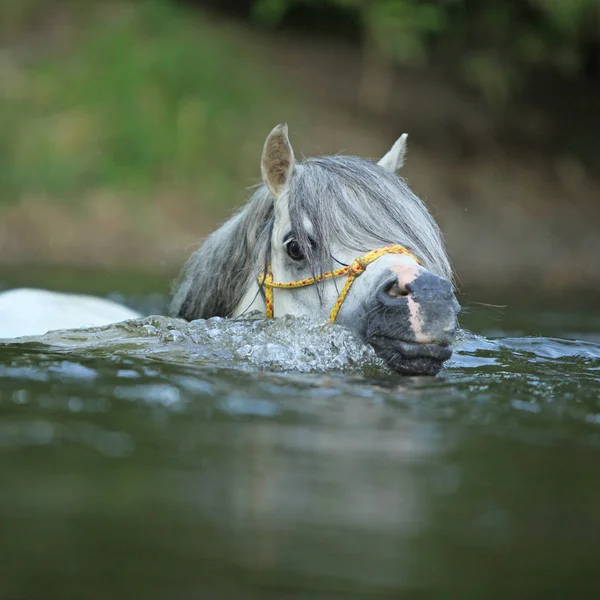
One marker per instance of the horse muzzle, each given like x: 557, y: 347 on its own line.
x: 412, y: 321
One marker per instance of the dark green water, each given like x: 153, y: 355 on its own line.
x: 279, y: 460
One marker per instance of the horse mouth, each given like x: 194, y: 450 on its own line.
x: 411, y: 358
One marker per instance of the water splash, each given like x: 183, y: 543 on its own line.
x: 297, y: 344
x: 286, y: 344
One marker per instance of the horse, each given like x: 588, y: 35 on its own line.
x: 337, y: 238
x: 311, y: 223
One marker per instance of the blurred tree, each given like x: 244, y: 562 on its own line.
x: 492, y: 44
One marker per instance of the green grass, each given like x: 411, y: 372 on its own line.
x: 141, y: 95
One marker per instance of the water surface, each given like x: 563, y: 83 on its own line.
x: 218, y: 459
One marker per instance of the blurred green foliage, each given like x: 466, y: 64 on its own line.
x: 130, y: 96
x: 492, y: 44
x: 137, y: 95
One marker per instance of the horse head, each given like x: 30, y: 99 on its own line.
x: 335, y: 237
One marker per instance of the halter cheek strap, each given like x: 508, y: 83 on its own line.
x: 352, y: 271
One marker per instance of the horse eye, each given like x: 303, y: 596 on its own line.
x: 294, y: 251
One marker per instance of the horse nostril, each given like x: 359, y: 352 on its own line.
x: 394, y: 290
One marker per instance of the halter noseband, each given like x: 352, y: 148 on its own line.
x: 352, y: 271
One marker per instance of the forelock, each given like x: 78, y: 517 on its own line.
x: 359, y: 205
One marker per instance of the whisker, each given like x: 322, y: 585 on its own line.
x: 489, y: 305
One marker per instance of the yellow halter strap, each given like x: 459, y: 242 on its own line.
x: 352, y: 271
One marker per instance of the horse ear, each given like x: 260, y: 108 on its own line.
x: 394, y: 159
x: 277, y: 162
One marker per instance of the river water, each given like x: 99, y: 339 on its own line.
x: 220, y: 459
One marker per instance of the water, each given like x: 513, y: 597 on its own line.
x: 159, y: 459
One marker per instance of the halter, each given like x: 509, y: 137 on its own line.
x: 352, y: 271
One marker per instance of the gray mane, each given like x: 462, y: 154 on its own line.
x: 214, y: 279
x: 348, y: 200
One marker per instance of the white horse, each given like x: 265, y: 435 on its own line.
x: 27, y: 311
x: 335, y: 237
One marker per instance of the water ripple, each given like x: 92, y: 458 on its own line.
x: 292, y: 368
